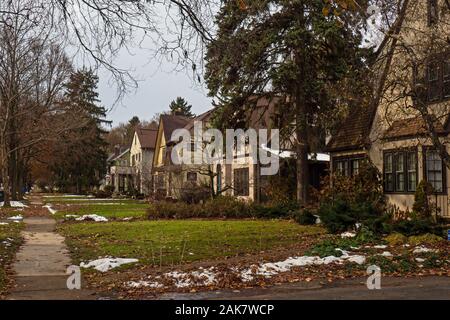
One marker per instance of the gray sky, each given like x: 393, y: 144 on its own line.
x: 158, y: 86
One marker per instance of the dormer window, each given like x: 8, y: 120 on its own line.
x: 433, y: 12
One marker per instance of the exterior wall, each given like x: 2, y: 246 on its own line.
x: 141, y: 160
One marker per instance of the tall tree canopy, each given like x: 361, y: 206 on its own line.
x: 180, y: 107
x: 80, y: 154
x: 291, y: 49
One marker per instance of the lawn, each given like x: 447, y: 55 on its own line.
x: 10, y: 241
x: 110, y: 211
x: 108, y: 208
x: 167, y: 242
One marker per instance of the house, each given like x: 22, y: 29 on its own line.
x: 141, y: 154
x: 243, y: 178
x: 411, y: 94
x: 170, y: 178
x: 119, y: 172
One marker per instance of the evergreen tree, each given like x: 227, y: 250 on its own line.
x: 81, y: 153
x: 293, y: 49
x: 180, y: 107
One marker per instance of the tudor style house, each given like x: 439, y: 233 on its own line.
x: 141, y: 158
x: 411, y: 101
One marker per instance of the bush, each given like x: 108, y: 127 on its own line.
x: 415, y: 227
x: 396, y: 239
x: 427, y: 238
x: 109, y: 189
x: 346, y: 201
x: 422, y: 207
x: 102, y: 194
x: 220, y: 207
x: 191, y: 192
x: 305, y: 217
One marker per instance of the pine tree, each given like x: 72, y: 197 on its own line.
x: 290, y: 49
x: 180, y: 107
x: 81, y: 153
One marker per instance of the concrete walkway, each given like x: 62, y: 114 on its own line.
x: 41, y: 264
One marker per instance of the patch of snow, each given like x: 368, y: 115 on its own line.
x: 386, y: 254
x: 422, y: 249
x: 15, y: 204
x: 381, y: 246
x: 106, y: 264
x: 420, y: 260
x: 93, y: 217
x: 141, y: 284
x: 71, y: 216
x: 318, y: 221
x: 202, y: 277
x: 18, y: 217
x: 50, y: 209
x: 348, y: 235
x: 273, y: 268
x: 4, y: 223
x: 127, y: 219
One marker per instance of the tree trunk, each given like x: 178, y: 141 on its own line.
x: 5, y: 179
x: 302, y: 155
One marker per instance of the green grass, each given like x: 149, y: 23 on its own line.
x: 110, y: 211
x: 172, y: 242
x: 11, y: 234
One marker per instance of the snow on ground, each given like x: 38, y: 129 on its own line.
x: 386, y: 254
x: 348, y: 235
x: 106, y: 264
x: 202, y: 277
x: 4, y: 223
x: 18, y: 217
x: 422, y: 249
x: 50, y: 209
x: 15, y: 204
x: 93, y: 217
x: 273, y: 268
x: 142, y: 284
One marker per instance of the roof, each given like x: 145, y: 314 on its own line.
x: 114, y: 156
x: 354, y: 131
x: 147, y: 137
x: 410, y: 127
x: 171, y: 123
x: 206, y: 116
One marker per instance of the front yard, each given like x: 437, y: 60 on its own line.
x: 10, y: 241
x: 203, y: 254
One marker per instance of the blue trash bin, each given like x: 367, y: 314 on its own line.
x: 2, y: 196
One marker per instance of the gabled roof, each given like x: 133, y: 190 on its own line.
x: 410, y: 127
x: 354, y: 131
x: 172, y: 122
x: 147, y: 137
x: 204, y: 117
x: 115, y: 156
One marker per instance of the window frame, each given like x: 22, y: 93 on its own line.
x: 443, y: 170
x: 348, y: 162
x: 394, y: 154
x: 241, y: 186
x: 432, y: 20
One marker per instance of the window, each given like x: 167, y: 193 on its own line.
x: 433, y: 82
x: 434, y: 170
x: 241, y: 182
x: 348, y: 166
x: 446, y: 79
x: 400, y: 171
x: 433, y: 12
x: 192, y: 176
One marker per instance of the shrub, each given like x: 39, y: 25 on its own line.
x: 191, y: 192
x: 350, y: 200
x: 102, y: 194
x: 226, y: 207
x: 415, y: 227
x: 396, y: 239
x: 427, y: 238
x: 109, y: 189
x: 305, y: 217
x: 422, y: 207
x: 172, y: 210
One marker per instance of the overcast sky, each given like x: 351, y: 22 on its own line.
x: 158, y: 86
